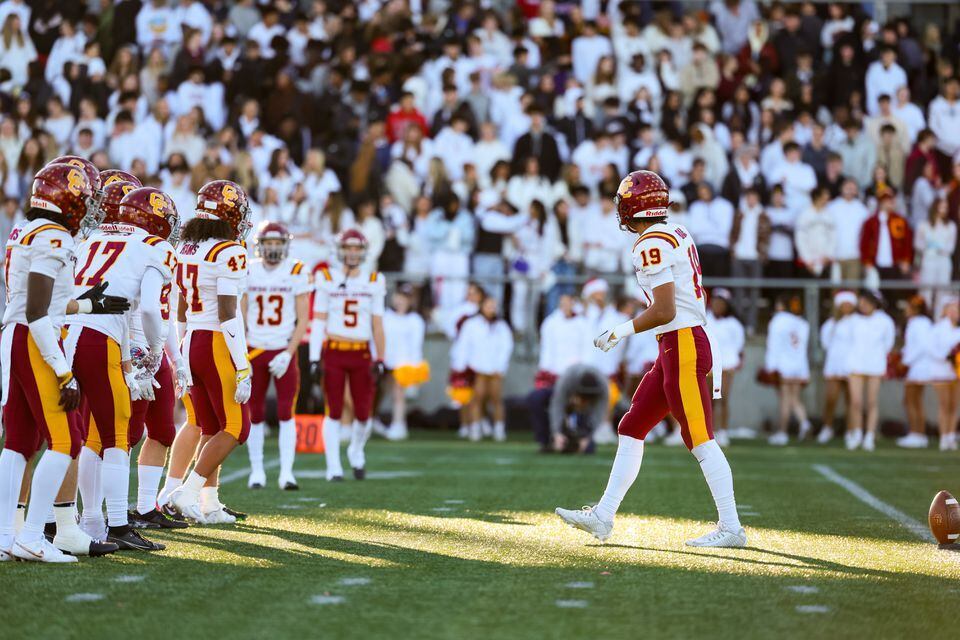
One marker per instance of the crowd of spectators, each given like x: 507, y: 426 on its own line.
x: 487, y: 138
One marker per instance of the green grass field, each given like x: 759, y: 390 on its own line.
x: 455, y: 540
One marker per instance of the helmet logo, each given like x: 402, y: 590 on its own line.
x: 75, y: 182
x: 75, y: 162
x: 230, y: 195
x: 115, y: 178
x: 624, y: 190
x: 157, y: 203
x: 127, y: 188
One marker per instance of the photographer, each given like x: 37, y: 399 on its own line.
x: 577, y: 407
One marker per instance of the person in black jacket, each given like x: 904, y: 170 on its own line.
x: 538, y: 143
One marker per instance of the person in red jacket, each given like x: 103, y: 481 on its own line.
x: 886, y: 240
x: 403, y: 116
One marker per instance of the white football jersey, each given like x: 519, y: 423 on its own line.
x: 42, y: 247
x: 272, y: 302
x: 199, y: 267
x: 168, y: 309
x: 119, y: 254
x: 350, y: 303
x: 665, y: 253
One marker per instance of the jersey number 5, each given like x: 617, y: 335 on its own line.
x: 350, y: 313
x: 111, y: 251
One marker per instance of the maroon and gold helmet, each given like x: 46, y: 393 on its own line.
x: 642, y: 194
x: 89, y: 169
x: 63, y: 189
x: 225, y: 200
x: 351, y: 238
x: 151, y: 210
x: 113, y: 193
x: 273, y: 231
x: 109, y: 176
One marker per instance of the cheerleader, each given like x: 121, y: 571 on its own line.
x: 460, y: 385
x: 871, y: 340
x: 730, y: 338
x: 944, y: 340
x: 922, y: 368
x: 404, y: 330
x: 487, y: 347
x: 787, y: 338
x: 835, y: 338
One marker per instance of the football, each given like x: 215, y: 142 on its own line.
x: 945, y: 518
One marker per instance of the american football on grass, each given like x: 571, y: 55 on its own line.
x: 945, y: 518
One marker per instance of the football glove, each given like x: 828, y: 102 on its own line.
x: 69, y: 391
x: 244, y: 381
x: 279, y: 364
x: 149, y: 361
x: 377, y: 369
x: 316, y: 371
x: 104, y: 304
x: 606, y: 341
x: 130, y: 377
x: 184, y: 381
x: 147, y: 384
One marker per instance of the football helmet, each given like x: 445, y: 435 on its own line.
x: 225, y: 200
x: 351, y: 239
x: 642, y: 194
x: 278, y: 239
x: 63, y: 189
x: 109, y: 176
x: 89, y: 169
x: 152, y: 210
x: 113, y: 193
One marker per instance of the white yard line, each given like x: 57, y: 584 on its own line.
x: 233, y: 476
x: 915, y: 527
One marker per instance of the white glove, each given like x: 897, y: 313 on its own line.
x: 243, y: 386
x: 150, y: 362
x: 184, y: 381
x: 147, y: 384
x: 133, y: 384
x: 279, y: 364
x: 606, y: 341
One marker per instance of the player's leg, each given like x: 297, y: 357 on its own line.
x: 687, y: 360
x: 334, y: 384
x: 361, y: 382
x: 648, y: 407
x: 89, y: 477
x: 19, y: 447
x: 287, y: 387
x: 182, y: 452
x: 856, y: 386
x: 872, y: 400
x: 260, y: 376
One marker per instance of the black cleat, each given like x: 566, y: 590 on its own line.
x: 291, y: 486
x: 171, y: 512
x: 138, y: 522
x: 336, y: 479
x: 100, y: 548
x: 157, y: 520
x: 129, y: 539
x: 255, y: 485
x: 359, y: 474
x: 50, y: 531
x: 239, y: 515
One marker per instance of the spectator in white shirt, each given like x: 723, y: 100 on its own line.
x: 816, y: 235
x: 729, y: 333
x: 936, y: 241
x: 193, y: 15
x: 911, y: 115
x: 711, y: 222
x: 157, y: 26
x: 926, y: 189
x: 848, y: 214
x: 266, y: 30
x: 16, y: 52
x: 883, y: 76
x: 872, y: 338
x: 945, y: 117
x: 786, y: 356
x: 797, y: 177
x: 59, y: 122
x: 586, y: 51
x: 835, y: 340
x: 750, y: 240
x: 454, y: 147
x: 602, y: 250
x: 858, y: 153
x: 487, y: 345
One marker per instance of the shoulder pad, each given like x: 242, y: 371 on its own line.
x: 658, y: 235
x: 373, y: 276
x: 297, y: 268
x: 219, y: 248
x: 326, y: 274
x: 153, y: 240
x: 28, y: 239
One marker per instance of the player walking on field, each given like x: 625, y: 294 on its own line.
x: 668, y: 271
x: 348, y: 312
x: 277, y: 309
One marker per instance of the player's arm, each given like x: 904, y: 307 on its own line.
x: 243, y: 305
x: 377, y: 309
x: 661, y: 311
x: 279, y: 364
x: 229, y: 285
x: 93, y: 300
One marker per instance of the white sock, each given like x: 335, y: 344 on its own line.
x: 719, y: 478
x: 47, y: 478
x: 255, y: 447
x: 12, y: 465
x: 19, y: 519
x: 116, y: 485
x: 626, y: 467
x: 331, y: 447
x: 148, y: 482
x: 194, y: 484
x: 287, y: 441
x: 171, y: 485
x: 358, y: 440
x: 90, y: 482
x: 209, y: 499
x: 65, y: 514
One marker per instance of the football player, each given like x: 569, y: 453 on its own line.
x: 131, y: 248
x: 39, y: 389
x: 109, y: 176
x: 277, y: 310
x: 211, y: 276
x: 668, y: 270
x: 348, y: 311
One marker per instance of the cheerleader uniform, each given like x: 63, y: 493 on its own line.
x: 730, y: 339
x: 787, y: 338
x: 871, y: 340
x: 835, y: 336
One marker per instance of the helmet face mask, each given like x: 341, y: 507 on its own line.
x: 352, y: 248
x: 273, y: 242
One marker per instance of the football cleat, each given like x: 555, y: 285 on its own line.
x: 587, y: 520
x: 359, y: 473
x: 187, y: 504
x: 171, y: 512
x: 239, y: 515
x: 40, y: 551
x: 158, y: 520
x: 720, y: 537
x: 218, y: 516
x: 257, y: 480
x: 50, y: 531
x: 75, y: 542
x: 6, y: 556
x: 129, y: 539
x: 288, y: 483
x: 825, y: 435
x: 139, y: 523
x: 335, y: 479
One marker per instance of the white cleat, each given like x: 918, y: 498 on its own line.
x: 73, y: 541
x: 40, y: 551
x: 218, y: 516
x: 6, y: 555
x: 586, y: 520
x: 188, y: 506
x: 720, y: 537
x: 868, y: 442
x: 779, y: 439
x: 914, y: 441
x: 853, y: 440
x: 257, y: 480
x: 825, y: 435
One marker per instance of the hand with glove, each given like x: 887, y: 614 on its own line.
x: 184, y: 381
x: 316, y: 371
x: 377, y: 369
x: 279, y: 364
x: 94, y: 301
x: 147, y: 384
x: 149, y: 361
x: 244, y: 381
x: 69, y: 391
x: 130, y: 377
x: 606, y: 341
